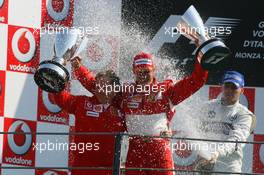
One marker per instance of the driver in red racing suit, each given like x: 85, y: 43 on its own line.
x: 93, y: 114
x: 148, y: 109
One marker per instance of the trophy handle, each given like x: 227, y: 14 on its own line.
x: 71, y: 52
x: 80, y: 48
x: 54, y: 51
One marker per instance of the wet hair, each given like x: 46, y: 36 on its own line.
x: 114, y: 79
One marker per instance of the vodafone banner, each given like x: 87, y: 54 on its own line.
x: 27, y: 33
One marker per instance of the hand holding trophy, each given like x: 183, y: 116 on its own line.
x: 52, y: 76
x: 211, y: 52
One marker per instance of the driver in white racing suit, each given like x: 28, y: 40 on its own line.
x: 228, y: 120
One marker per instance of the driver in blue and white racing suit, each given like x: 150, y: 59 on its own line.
x: 228, y: 120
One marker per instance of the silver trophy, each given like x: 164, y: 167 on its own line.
x: 1, y: 3
x: 212, y: 52
x: 52, y: 76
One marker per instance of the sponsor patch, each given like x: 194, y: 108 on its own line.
x: 211, y: 114
x: 92, y: 114
x: 159, y: 96
x: 136, y: 98
x: 133, y: 105
x: 88, y: 105
x: 232, y: 118
x: 98, y: 108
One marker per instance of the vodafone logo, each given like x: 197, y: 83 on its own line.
x: 48, y: 104
x: 99, y: 53
x: 1, y: 3
x: 19, y: 143
x: 58, y: 9
x: 50, y: 173
x: 23, y: 45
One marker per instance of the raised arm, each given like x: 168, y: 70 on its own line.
x: 65, y: 100
x: 189, y: 85
x: 85, y: 77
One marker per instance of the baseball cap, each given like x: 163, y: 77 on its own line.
x: 143, y: 60
x: 235, y: 78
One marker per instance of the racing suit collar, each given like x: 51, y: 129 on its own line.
x: 153, y: 82
x: 105, y: 105
x: 229, y: 106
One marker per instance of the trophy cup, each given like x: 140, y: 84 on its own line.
x: 1, y: 3
x: 212, y: 52
x: 52, y: 76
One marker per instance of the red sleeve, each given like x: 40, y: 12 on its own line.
x: 117, y: 102
x: 66, y: 101
x: 189, y: 85
x: 86, y: 78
